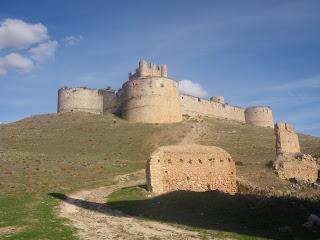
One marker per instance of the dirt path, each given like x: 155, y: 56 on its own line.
x: 88, y: 212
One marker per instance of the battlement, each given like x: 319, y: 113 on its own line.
x: 146, y: 69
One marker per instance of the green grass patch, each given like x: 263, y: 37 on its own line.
x: 32, y: 218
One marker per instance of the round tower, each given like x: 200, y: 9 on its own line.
x: 151, y: 99
x: 259, y: 116
x: 80, y: 99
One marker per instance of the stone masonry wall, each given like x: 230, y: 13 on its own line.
x: 80, y: 99
x: 110, y: 101
x: 151, y: 100
x: 259, y: 116
x: 194, y: 106
x: 191, y: 167
x: 286, y: 139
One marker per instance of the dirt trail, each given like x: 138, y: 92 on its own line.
x: 88, y: 212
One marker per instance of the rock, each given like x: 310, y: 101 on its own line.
x: 296, y: 167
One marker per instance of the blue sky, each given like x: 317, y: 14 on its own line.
x: 251, y: 52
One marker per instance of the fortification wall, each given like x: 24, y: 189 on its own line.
x: 146, y: 69
x: 259, y: 116
x: 110, y: 101
x: 151, y: 100
x: 194, y: 106
x: 191, y: 167
x: 80, y: 99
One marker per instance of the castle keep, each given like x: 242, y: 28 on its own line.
x: 150, y: 96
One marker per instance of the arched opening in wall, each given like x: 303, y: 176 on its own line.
x: 199, y: 99
x: 162, y: 85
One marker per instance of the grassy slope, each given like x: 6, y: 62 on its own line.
x: 62, y: 153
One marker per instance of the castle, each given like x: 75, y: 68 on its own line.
x: 150, y: 96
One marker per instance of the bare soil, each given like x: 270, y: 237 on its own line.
x: 88, y: 212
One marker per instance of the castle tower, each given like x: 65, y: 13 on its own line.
x: 80, y: 99
x: 150, y: 96
x: 259, y: 116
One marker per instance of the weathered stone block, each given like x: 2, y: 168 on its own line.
x: 191, y: 167
x: 286, y: 139
x: 301, y: 167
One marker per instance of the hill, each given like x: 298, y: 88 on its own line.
x: 68, y: 152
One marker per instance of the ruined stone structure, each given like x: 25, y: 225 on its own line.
x: 80, y: 99
x: 290, y: 163
x: 150, y: 96
x: 286, y: 139
x: 298, y: 166
x: 191, y: 167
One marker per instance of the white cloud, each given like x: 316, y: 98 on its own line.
x: 72, y: 40
x: 19, y: 38
x: 15, y: 61
x: 43, y: 51
x: 191, y: 88
x: 17, y: 34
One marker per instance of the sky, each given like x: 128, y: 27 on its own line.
x: 250, y: 52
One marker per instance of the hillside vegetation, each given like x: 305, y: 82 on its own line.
x: 68, y: 152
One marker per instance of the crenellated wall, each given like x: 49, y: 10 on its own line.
x: 150, y: 96
x: 194, y: 106
x: 149, y: 70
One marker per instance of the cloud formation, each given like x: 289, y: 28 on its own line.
x: 16, y: 61
x: 17, y: 34
x: 44, y: 51
x: 26, y: 45
x: 72, y: 40
x: 192, y: 88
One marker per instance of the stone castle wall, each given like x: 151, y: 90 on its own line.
x: 194, y: 106
x: 191, y: 167
x: 259, y: 116
x: 151, y: 100
x: 110, y: 101
x: 149, y: 96
x: 80, y: 99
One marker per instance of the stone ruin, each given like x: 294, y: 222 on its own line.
x: 290, y: 163
x: 191, y: 167
x: 286, y: 139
